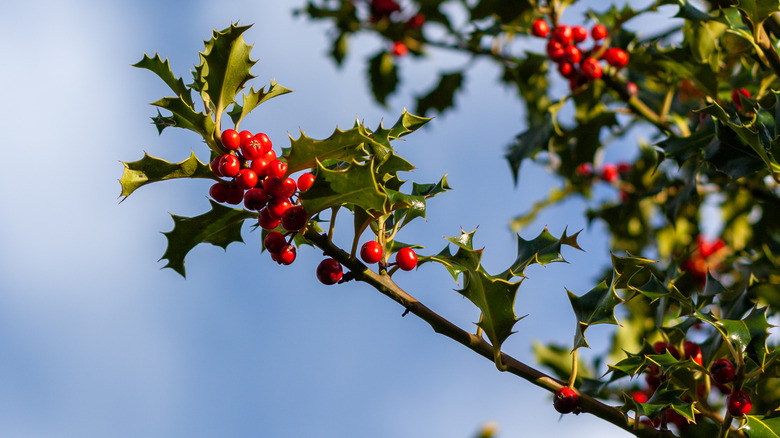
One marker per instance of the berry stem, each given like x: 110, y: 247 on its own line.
x: 574, y: 366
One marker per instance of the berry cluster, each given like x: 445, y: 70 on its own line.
x: 384, y: 10
x: 609, y: 172
x: 576, y: 64
x: 259, y: 179
x: 372, y: 252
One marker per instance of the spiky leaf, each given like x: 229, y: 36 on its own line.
x: 185, y: 116
x: 254, y: 99
x: 597, y: 306
x: 441, y: 96
x: 355, y: 185
x: 341, y: 145
x: 163, y: 70
x: 220, y: 226
x: 150, y: 169
x: 543, y: 249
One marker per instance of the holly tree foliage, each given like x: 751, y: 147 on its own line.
x: 691, y: 354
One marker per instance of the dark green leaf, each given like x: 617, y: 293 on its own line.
x: 597, y: 306
x: 383, y: 75
x: 355, y: 185
x: 150, y: 169
x: 442, y: 96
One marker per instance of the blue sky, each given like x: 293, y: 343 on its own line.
x: 96, y: 340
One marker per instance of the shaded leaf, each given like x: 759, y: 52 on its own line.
x: 597, y: 306
x: 442, y: 96
x: 383, y: 75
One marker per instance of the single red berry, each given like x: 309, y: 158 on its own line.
x: 215, y: 166
x: 615, y: 57
x: 738, y: 403
x: 591, y: 69
x: 244, y: 136
x: 329, y: 271
x: 294, y: 218
x: 305, y: 181
x: 406, y: 259
x: 639, y: 396
x: 400, y: 49
x: 416, y: 22
x: 230, y: 139
x: 274, y: 186
x: 556, y: 51
x: 277, y: 206
x: 266, y: 221
x: 632, y: 89
x: 566, y: 70
x: 274, y: 241
x: 573, y: 54
x: 722, y: 371
x: 235, y: 194
x: 565, y: 400
x: 563, y: 34
x: 707, y: 247
x: 540, y: 28
x: 260, y: 166
x: 585, y: 170
x: 579, y: 33
x: 623, y: 167
x: 609, y: 173
x: 255, y: 199
x: 371, y: 252
x: 693, y: 351
x: 246, y: 179
x: 277, y: 168
x: 251, y: 150
x: 229, y: 165
x: 598, y: 32
x: 219, y: 192
x: 289, y: 187
x: 736, y: 97
x: 285, y: 256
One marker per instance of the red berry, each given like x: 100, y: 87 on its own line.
x: 251, y: 150
x: 263, y: 141
x: 289, y: 187
x: 609, y: 173
x: 235, y: 195
x: 229, y: 165
x: 598, y: 32
x: 246, y: 179
x: 285, y: 256
x: 623, y: 167
x: 565, y: 400
x: 266, y: 221
x: 693, y: 351
x: 230, y: 139
x: 277, y: 206
x: 260, y: 166
x: 572, y: 54
x: 707, y: 248
x: 219, y: 192
x: 540, y: 28
x: 276, y: 168
x: 406, y: 259
x: 274, y: 241
x: 738, y: 403
x: 639, y: 396
x: 566, y: 70
x: 294, y: 218
x: 329, y: 271
x: 215, y: 166
x: 400, y: 49
x: 255, y: 199
x: 305, y: 181
x: 591, y: 69
x: 416, y: 22
x: 383, y: 8
x: 579, y: 33
x: 632, y: 89
x: 556, y: 51
x: 274, y: 186
x: 371, y: 252
x: 722, y: 371
x: 563, y: 34
x: 585, y: 170
x: 615, y: 57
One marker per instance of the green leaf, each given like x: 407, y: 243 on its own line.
x: 224, y: 68
x: 625, y: 268
x: 667, y: 397
x: 254, y: 99
x: 597, y: 306
x: 466, y: 258
x: 355, y: 185
x: 543, y: 249
x: 341, y: 145
x: 752, y: 330
x: 442, y: 96
x: 762, y: 427
x: 220, y: 226
x: 759, y: 10
x: 383, y: 74
x: 529, y: 143
x: 496, y: 299
x: 184, y: 116
x: 163, y: 70
x: 150, y: 169
x: 406, y: 124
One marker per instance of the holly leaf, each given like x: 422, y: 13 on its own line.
x: 625, y: 268
x: 345, y: 146
x: 224, y: 68
x: 220, y: 226
x: 495, y: 298
x: 543, y: 249
x: 383, y: 74
x: 355, y: 185
x: 406, y: 124
x: 466, y: 258
x: 597, y: 306
x: 254, y: 99
x: 150, y: 169
x: 528, y: 143
x: 762, y: 427
x: 163, y: 70
x: 752, y: 330
x: 184, y: 116
x: 758, y: 10
x: 666, y: 397
x: 442, y: 96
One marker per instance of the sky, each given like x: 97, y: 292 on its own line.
x: 96, y: 339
